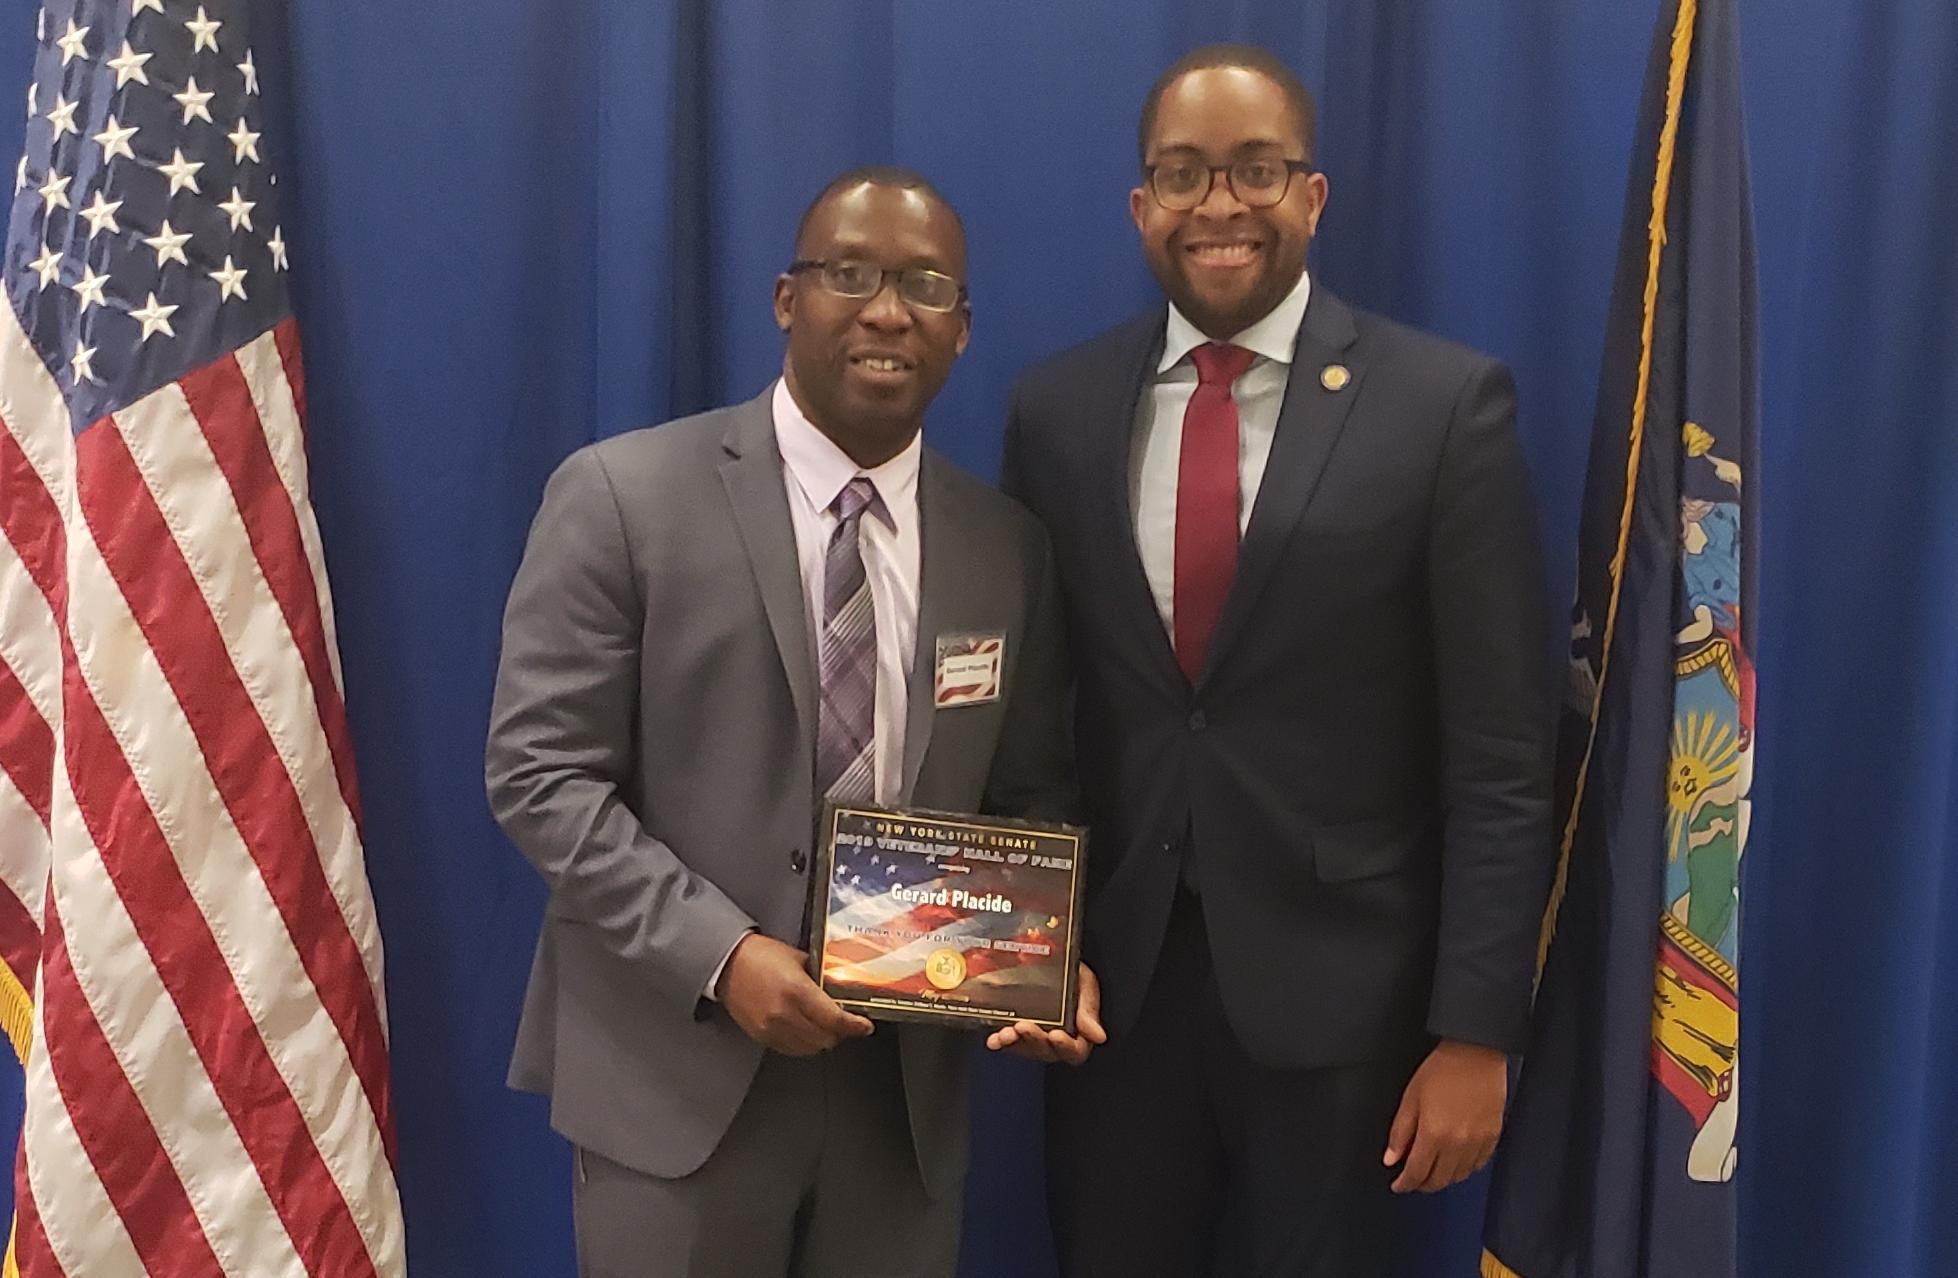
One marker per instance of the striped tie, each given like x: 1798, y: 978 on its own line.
x: 846, y: 764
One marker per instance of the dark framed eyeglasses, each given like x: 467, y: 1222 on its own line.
x: 925, y: 289
x: 1257, y: 181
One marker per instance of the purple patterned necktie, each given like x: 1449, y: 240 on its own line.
x: 846, y: 762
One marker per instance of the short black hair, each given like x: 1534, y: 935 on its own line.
x: 877, y: 175
x: 1251, y: 58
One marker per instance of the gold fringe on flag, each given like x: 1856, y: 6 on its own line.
x: 16, y: 1016
x: 1682, y: 52
x: 17, y: 1019
x: 1493, y: 1268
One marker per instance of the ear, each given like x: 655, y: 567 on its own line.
x: 965, y: 329
x: 784, y: 301
x: 1317, y: 189
x: 1138, y: 207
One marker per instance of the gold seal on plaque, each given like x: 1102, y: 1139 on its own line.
x: 945, y: 969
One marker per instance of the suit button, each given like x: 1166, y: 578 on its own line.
x: 797, y: 861
x: 1197, y: 721
x: 1169, y: 849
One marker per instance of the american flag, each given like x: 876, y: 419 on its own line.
x: 192, y: 966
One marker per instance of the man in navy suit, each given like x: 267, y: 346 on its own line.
x: 1313, y: 723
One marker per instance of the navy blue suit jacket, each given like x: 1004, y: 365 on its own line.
x: 1361, y: 773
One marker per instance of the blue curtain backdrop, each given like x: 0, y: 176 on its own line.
x: 520, y: 225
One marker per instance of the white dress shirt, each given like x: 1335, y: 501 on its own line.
x: 1158, y: 447
x: 814, y: 472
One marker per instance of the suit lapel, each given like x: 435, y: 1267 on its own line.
x: 752, y: 474
x: 1112, y: 467
x: 939, y: 570
x: 1309, y: 425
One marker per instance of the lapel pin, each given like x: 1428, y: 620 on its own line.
x: 1334, y: 377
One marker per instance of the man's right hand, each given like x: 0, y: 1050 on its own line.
x: 767, y: 990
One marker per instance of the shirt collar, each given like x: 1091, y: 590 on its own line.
x: 823, y: 470
x: 1273, y: 337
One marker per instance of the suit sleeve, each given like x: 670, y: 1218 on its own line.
x: 1033, y: 768
x: 1032, y: 775
x: 1012, y: 460
x: 561, y: 745
x: 1490, y: 639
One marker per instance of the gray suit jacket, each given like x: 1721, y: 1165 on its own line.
x: 651, y: 751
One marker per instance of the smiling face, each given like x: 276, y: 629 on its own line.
x: 863, y: 369
x: 1223, y: 263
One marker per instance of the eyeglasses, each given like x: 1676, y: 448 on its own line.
x: 846, y: 277
x: 1258, y: 182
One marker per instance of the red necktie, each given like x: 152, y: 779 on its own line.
x: 1206, y: 503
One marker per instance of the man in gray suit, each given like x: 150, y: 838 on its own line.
x: 718, y: 623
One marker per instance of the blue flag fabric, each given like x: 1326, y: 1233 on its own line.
x: 1620, y: 1150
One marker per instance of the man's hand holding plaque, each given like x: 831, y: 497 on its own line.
x: 766, y: 989
x: 1054, y: 1046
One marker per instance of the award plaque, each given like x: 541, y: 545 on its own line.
x: 956, y: 920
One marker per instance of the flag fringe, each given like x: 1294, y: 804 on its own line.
x: 1493, y: 1268
x: 16, y: 1013
x: 17, y: 1019
x: 1682, y: 52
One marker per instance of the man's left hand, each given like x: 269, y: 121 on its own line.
x: 1058, y: 1046
x: 1450, y: 1117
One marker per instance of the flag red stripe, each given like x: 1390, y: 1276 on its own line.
x: 33, y: 1255
x: 20, y: 939
x: 178, y: 939
x: 26, y: 743
x: 150, y: 570
x: 30, y: 519
x: 114, y: 1129
x: 286, y: 338
x: 221, y: 401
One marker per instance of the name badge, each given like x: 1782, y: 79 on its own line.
x: 968, y: 670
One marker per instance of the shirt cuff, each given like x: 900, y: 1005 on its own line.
x: 714, y: 981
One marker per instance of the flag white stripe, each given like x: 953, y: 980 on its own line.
x: 147, y: 1035
x: 300, y: 1035
x: 30, y: 648
x: 23, y: 850
x: 81, y: 1224
x: 35, y: 415
x: 265, y: 376
x: 197, y: 504
x: 29, y: 642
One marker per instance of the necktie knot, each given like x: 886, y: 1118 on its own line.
x: 1220, y: 364
x: 857, y: 496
